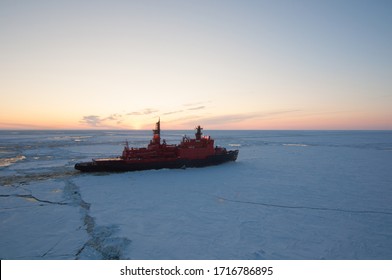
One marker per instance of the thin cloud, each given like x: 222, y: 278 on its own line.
x: 113, y: 117
x: 187, y: 119
x: 92, y: 120
x: 196, y: 108
x: 146, y: 111
x: 224, y: 119
x: 270, y: 114
x: 97, y: 121
x: 235, y: 118
x: 172, y: 112
x: 193, y: 104
x: 185, y: 109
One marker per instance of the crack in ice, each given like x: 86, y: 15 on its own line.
x: 29, y: 196
x: 47, y: 252
x: 305, y: 207
x: 100, y: 237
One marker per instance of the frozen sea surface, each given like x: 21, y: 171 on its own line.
x: 290, y: 195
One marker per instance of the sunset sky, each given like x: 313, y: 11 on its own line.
x: 221, y: 64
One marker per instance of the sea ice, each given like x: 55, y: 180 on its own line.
x: 290, y: 195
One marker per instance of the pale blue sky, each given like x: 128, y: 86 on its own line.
x: 231, y: 64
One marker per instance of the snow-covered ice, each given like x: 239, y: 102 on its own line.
x: 290, y: 195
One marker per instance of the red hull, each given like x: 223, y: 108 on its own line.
x: 120, y: 165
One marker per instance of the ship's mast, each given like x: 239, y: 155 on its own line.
x: 156, y: 139
x: 198, y: 132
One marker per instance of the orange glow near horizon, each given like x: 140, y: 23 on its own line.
x: 122, y: 66
x: 292, y: 122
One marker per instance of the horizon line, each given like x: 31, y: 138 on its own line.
x: 133, y: 129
